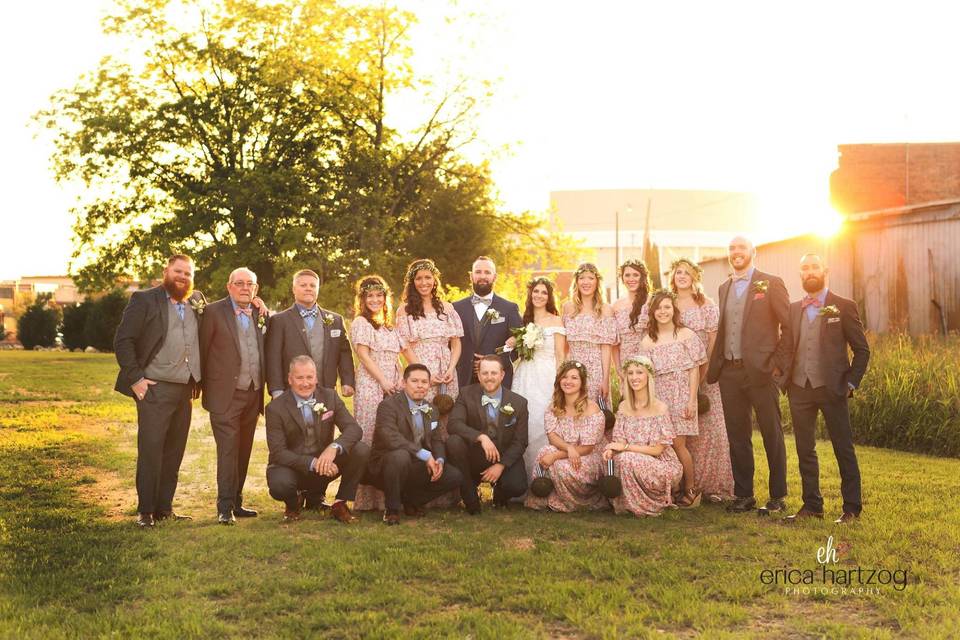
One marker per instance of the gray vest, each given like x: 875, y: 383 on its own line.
x: 807, y: 365
x: 179, y: 357
x: 310, y: 444
x: 249, y: 355
x: 733, y: 323
x: 315, y: 338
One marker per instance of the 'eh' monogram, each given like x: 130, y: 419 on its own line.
x: 828, y: 553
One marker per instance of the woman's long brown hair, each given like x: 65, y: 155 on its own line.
x: 642, y: 292
x: 658, y: 297
x: 559, y: 403
x: 362, y: 289
x: 412, y: 302
x: 551, y: 299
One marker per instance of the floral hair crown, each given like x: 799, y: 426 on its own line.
x: 698, y: 270
x: 421, y: 265
x: 634, y: 263
x: 641, y: 361
x: 586, y: 267
x: 579, y: 366
x: 372, y: 285
x: 664, y: 292
x: 544, y: 280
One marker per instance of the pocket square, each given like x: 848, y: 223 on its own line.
x: 334, y: 333
x: 829, y: 320
x: 759, y: 296
x: 499, y: 320
x: 433, y: 425
x: 326, y: 416
x: 510, y: 424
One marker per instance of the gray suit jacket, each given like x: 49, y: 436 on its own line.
x: 141, y: 333
x: 220, y: 353
x: 287, y: 339
x: 286, y: 428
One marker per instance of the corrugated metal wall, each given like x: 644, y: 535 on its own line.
x: 902, y: 267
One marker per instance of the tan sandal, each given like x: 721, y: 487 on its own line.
x: 691, y: 499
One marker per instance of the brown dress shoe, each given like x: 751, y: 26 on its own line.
x: 341, y: 512
x: 803, y: 514
x: 846, y: 518
x: 413, y: 512
x: 391, y: 519
x: 160, y: 516
x: 145, y: 520
x: 291, y: 515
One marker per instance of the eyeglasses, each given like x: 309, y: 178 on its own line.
x: 244, y: 284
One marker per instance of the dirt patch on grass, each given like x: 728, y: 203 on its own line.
x: 519, y: 544
x: 116, y: 495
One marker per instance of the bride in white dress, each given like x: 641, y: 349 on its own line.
x: 533, y: 379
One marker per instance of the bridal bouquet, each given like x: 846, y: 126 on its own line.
x: 529, y: 339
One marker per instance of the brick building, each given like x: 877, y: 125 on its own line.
x: 872, y: 177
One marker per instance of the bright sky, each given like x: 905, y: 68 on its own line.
x: 750, y: 96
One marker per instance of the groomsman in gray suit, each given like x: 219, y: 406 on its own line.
x: 752, y: 356
x: 231, y: 351
x: 823, y: 324
x: 307, y: 329
x: 158, y: 350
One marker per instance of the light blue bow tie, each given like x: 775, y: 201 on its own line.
x: 485, y: 400
x: 422, y: 408
x: 309, y: 403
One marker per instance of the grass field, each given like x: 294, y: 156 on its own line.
x: 72, y: 564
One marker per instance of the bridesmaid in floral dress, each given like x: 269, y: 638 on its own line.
x: 710, y: 448
x: 591, y: 330
x: 432, y: 330
x: 676, y: 353
x: 573, y: 458
x: 646, y: 462
x: 378, y: 346
x: 629, y: 312
x: 430, y: 327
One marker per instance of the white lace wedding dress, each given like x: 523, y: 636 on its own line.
x: 533, y: 379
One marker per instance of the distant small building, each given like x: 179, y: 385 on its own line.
x: 62, y: 288
x: 697, y: 224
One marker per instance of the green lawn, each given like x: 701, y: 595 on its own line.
x: 72, y: 564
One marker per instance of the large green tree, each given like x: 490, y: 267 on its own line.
x: 257, y: 133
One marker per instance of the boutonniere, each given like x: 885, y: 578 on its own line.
x: 761, y: 286
x: 262, y: 322
x: 507, y: 409
x: 198, y: 305
x: 319, y: 407
x: 491, y: 315
x: 327, y: 319
x: 829, y: 311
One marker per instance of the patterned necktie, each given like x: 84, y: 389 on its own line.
x: 308, y: 313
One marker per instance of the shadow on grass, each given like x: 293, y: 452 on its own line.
x: 58, y: 556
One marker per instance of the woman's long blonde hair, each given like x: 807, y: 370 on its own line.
x: 629, y: 395
x: 598, y: 296
x: 559, y: 403
x: 696, y: 277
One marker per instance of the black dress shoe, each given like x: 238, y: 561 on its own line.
x: 776, y: 504
x: 240, y: 512
x: 226, y: 518
x: 391, y: 519
x: 742, y: 505
x: 145, y: 520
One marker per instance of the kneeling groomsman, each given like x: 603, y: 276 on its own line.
x: 488, y: 435
x: 231, y: 352
x: 822, y: 378
x: 304, y: 457
x: 408, y: 463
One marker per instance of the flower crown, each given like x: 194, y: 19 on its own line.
x: 633, y: 263
x: 586, y: 267
x: 664, y: 292
x: 544, y: 280
x: 369, y: 286
x: 579, y: 366
x: 698, y: 270
x: 642, y: 361
x: 421, y: 265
